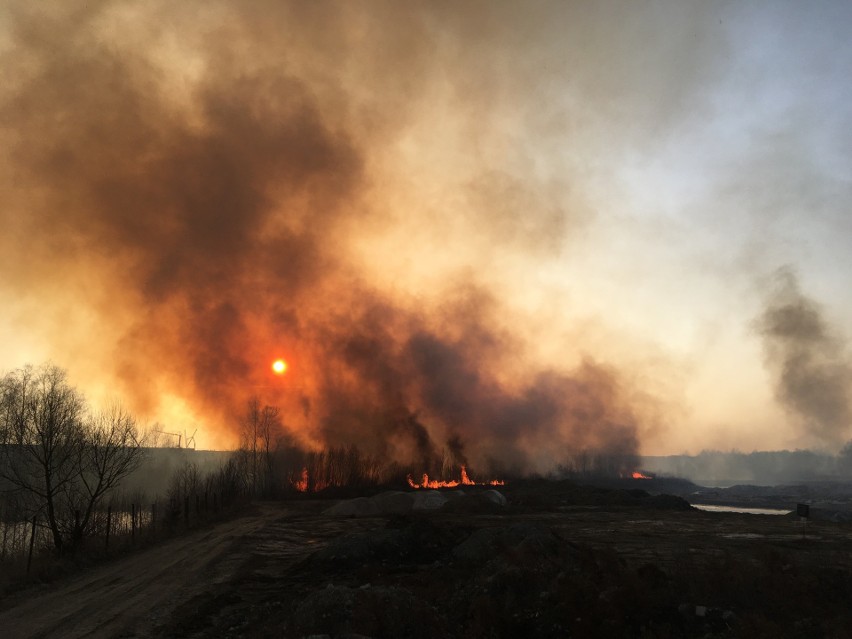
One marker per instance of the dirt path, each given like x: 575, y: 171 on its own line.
x: 133, y: 596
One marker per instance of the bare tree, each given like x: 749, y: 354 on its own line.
x: 42, y: 437
x: 250, y: 427
x: 57, y: 456
x: 259, y: 429
x: 186, y: 481
x: 270, y: 428
x: 111, y: 449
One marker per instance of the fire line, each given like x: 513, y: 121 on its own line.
x: 463, y: 481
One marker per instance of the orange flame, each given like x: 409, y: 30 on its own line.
x: 302, y: 484
x: 464, y: 481
x: 638, y: 475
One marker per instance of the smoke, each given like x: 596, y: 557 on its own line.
x: 207, y: 186
x: 405, y: 385
x: 808, y: 360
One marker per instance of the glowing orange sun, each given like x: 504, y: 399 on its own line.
x: 279, y: 367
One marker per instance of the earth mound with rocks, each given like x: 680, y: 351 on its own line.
x: 396, y: 502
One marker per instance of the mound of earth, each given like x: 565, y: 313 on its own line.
x: 374, y: 612
x: 401, y: 503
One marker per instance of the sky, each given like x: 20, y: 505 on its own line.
x: 516, y: 229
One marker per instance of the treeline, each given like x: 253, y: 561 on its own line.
x: 585, y: 463
x: 760, y: 467
x: 269, y: 463
x: 283, y: 467
x: 64, y: 469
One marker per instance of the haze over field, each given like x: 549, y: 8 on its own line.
x: 519, y: 228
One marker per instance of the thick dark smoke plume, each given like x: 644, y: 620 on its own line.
x: 203, y: 207
x: 450, y: 374
x: 812, y: 373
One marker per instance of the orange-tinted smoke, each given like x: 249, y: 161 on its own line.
x: 205, y: 212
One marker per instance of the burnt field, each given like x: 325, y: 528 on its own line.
x: 558, y: 560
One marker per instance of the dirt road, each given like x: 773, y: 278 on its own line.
x: 136, y: 595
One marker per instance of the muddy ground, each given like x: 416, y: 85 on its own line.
x: 558, y: 561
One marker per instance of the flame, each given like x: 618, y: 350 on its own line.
x: 302, y: 484
x: 638, y: 475
x: 279, y: 367
x: 465, y: 480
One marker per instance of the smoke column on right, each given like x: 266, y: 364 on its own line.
x: 807, y: 359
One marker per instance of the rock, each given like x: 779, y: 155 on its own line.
x: 429, y: 500
x: 359, y: 507
x: 479, y: 547
x: 495, y: 497
x: 359, y: 548
x: 481, y: 503
x: 487, y: 543
x: 394, y: 502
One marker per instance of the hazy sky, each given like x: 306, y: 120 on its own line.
x: 531, y: 225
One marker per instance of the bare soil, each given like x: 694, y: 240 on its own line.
x: 592, y: 567
x: 138, y: 595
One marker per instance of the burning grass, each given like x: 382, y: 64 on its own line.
x: 464, y: 480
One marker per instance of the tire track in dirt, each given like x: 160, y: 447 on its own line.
x: 132, y: 596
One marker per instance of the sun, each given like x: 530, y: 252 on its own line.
x: 279, y: 367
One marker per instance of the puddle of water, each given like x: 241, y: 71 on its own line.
x: 737, y: 509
